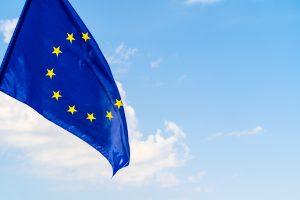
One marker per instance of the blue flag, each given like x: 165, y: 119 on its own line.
x: 54, y: 65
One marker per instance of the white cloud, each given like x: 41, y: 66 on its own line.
x: 156, y: 63
x: 132, y: 121
x: 121, y: 57
x: 197, y: 176
x: 167, y: 180
x: 251, y: 132
x: 7, y: 28
x: 196, y: 179
x: 201, y: 1
x: 203, y: 189
x: 246, y: 133
x: 14, y: 120
x: 51, y: 152
x: 125, y: 52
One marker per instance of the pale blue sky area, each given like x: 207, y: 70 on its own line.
x: 226, y: 72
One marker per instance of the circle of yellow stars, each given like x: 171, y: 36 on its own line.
x: 72, y: 110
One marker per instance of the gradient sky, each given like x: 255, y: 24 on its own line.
x: 215, y: 86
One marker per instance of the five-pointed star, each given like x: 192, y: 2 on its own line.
x: 50, y: 73
x: 91, y: 117
x: 56, y: 51
x: 72, y: 110
x: 119, y: 103
x: 70, y: 37
x: 109, y: 115
x: 56, y: 95
x: 85, y: 36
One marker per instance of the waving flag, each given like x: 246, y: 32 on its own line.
x: 54, y: 65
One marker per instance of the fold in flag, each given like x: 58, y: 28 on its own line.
x: 54, y: 65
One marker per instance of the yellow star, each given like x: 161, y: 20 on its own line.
x: 85, y: 36
x: 119, y: 103
x: 91, y: 117
x: 56, y: 51
x: 109, y: 115
x: 72, y: 110
x: 50, y: 73
x: 56, y: 95
x: 70, y: 37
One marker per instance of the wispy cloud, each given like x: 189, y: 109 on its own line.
x: 196, y: 181
x: 197, y: 177
x: 204, y: 189
x: 7, y: 28
x: 246, y: 133
x: 156, y: 63
x: 121, y: 58
x: 168, y: 180
x: 190, y: 2
x: 51, y: 152
x: 124, y: 52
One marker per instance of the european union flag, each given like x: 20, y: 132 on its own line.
x: 54, y: 65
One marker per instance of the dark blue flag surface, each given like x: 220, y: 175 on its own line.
x: 54, y: 65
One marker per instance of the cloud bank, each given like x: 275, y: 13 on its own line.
x: 50, y: 152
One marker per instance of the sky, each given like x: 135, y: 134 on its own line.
x: 211, y: 92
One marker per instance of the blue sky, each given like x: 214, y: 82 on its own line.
x: 212, y: 99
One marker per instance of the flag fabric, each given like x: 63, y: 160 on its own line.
x: 54, y: 65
